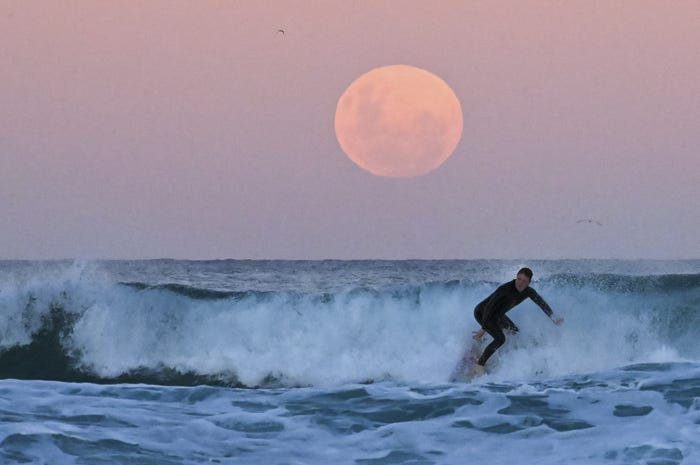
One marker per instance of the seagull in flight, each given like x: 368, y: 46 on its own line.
x: 280, y: 31
x: 590, y: 220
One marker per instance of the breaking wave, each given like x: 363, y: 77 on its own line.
x: 73, y: 325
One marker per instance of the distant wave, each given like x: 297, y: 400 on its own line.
x: 624, y: 283
x: 79, y: 329
x: 602, y: 282
x: 190, y: 291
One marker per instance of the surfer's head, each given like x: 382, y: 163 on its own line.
x: 523, y: 278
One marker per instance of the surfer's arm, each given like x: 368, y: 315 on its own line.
x: 544, y: 306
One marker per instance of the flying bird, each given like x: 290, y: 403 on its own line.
x: 280, y: 31
x: 590, y: 220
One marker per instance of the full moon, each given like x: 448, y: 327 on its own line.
x: 398, y: 121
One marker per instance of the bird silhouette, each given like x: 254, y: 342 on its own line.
x: 590, y: 220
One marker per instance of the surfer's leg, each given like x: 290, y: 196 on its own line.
x: 506, y: 323
x: 498, y: 340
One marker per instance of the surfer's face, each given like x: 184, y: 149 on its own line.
x: 521, y: 282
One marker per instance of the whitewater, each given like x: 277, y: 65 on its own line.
x: 345, y: 362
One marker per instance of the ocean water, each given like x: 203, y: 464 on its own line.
x: 345, y: 362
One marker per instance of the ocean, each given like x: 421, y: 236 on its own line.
x: 345, y: 362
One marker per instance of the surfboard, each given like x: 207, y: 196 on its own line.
x: 465, y: 370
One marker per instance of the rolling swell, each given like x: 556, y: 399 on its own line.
x: 193, y: 292
x: 603, y: 282
x: 83, y: 329
x: 624, y: 283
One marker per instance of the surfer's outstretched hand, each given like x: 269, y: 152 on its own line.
x: 477, y: 335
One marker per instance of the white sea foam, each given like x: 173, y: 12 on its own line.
x: 617, y: 416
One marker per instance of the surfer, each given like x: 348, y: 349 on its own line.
x: 491, y: 313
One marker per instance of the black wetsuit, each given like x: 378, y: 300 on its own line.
x: 491, y: 314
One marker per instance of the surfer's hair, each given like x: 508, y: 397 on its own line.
x: 527, y: 272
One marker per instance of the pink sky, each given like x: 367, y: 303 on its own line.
x: 184, y: 129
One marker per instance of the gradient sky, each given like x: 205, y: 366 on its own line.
x: 166, y: 128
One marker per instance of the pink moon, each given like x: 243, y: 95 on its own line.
x: 398, y: 121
